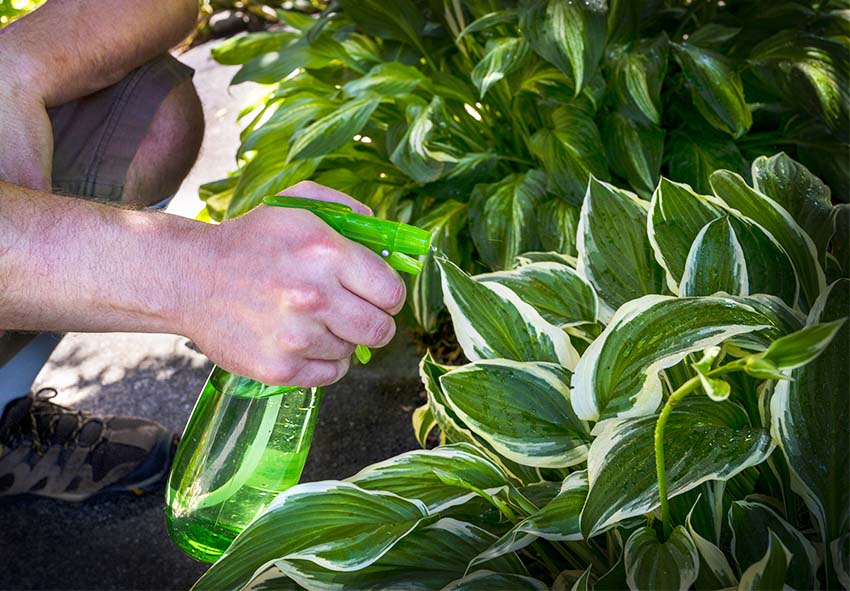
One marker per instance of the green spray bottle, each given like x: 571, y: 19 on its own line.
x: 246, y: 441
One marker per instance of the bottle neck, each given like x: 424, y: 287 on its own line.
x: 238, y: 386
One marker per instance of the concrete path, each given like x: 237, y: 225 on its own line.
x: 120, y: 542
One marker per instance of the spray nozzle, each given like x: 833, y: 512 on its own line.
x: 394, y: 241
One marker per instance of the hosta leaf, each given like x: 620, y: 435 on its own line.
x: 386, y: 79
x: 412, y: 154
x: 570, y: 35
x: 692, y: 159
x: 486, y: 580
x: 430, y: 557
x: 768, y: 573
x: 839, y: 552
x: 634, y: 151
x: 238, y: 50
x: 503, y: 56
x: 715, y: 262
x: 291, y: 116
x: 424, y: 422
x: 411, y: 475
x: 557, y: 521
x: 491, y: 19
x: 445, y: 223
x: 529, y: 258
x: 750, y: 524
x: 265, y: 175
x: 705, y: 440
x: 521, y: 409
x: 802, y: 347
x: 274, y: 66
x: 652, y: 564
x: 766, y: 212
x: 716, y: 88
x: 715, y: 572
x: 557, y: 222
x: 801, y: 193
x: 332, y: 130
x: 637, y: 77
x: 502, y: 217
x: 613, y: 250
x: 403, y: 23
x: 332, y: 524
x: 810, y: 419
x: 555, y: 290
x: 615, y: 378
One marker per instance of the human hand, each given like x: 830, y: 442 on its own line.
x: 288, y: 297
x: 26, y: 152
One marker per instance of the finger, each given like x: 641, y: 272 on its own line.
x: 359, y: 322
x: 313, y: 340
x: 317, y: 373
x: 311, y: 190
x: 368, y: 276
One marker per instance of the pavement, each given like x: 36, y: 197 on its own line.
x: 120, y: 541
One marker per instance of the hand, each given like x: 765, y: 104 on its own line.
x: 26, y: 152
x: 288, y: 297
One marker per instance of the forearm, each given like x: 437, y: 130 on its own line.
x: 73, y: 265
x: 71, y: 48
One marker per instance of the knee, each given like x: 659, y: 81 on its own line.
x: 168, y: 150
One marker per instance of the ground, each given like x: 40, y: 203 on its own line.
x: 119, y: 541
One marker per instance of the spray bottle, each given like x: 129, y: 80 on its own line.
x: 246, y: 441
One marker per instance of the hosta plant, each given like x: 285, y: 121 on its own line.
x: 483, y: 120
x: 668, y: 410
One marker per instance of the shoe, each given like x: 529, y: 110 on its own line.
x: 52, y: 451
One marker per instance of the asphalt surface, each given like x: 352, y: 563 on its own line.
x: 120, y: 541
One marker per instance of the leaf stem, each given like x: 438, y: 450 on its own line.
x: 676, y: 397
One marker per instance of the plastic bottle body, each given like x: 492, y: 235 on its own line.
x: 245, y: 443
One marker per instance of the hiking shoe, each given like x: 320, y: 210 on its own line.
x: 53, y: 451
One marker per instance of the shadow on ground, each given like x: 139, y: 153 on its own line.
x: 120, y: 541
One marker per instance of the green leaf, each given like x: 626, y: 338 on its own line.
x: 332, y: 524
x: 766, y: 212
x: 492, y: 322
x: 445, y: 222
x: 651, y: 564
x: 802, y: 347
x: 521, y: 409
x: 615, y: 378
x: 333, y: 130
x: 411, y: 475
x: 708, y: 441
x: 768, y: 573
x: 412, y: 153
x: 634, y: 150
x: 614, y: 252
x: 839, y: 552
x: 692, y: 157
x: 274, y: 66
x: 486, y: 580
x: 238, y: 50
x: 715, y: 571
x: 403, y: 23
x: 502, y: 217
x: 570, y: 35
x: 503, y: 56
x: 799, y: 192
x: 557, y: 521
x: 809, y: 419
x: 571, y: 153
x: 489, y: 20
x: 750, y: 524
x: 291, y: 116
x: 428, y: 558
x: 555, y: 290
x: 557, y: 223
x: 386, y: 79
x: 267, y: 174
x: 715, y: 262
x: 638, y: 74
x: 716, y: 88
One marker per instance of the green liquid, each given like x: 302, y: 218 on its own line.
x: 236, y: 455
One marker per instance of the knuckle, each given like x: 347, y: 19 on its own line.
x: 294, y: 342
x: 279, y: 373
x: 382, y: 332
x: 306, y: 299
x: 396, y: 294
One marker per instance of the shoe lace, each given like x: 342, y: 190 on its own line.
x: 42, y: 431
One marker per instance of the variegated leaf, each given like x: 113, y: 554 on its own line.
x: 715, y: 572
x: 704, y: 441
x: 557, y: 521
x: 613, y: 250
x: 810, y: 420
x: 424, y: 422
x: 334, y: 129
x: 750, y: 524
x: 615, y: 378
x: 558, y: 292
x: 502, y: 57
x: 411, y: 475
x: 521, y: 409
x: 493, y: 322
x: 652, y: 564
x: 412, y: 153
x: 715, y: 262
x: 386, y: 79
x: 487, y: 580
x: 768, y: 573
x: 638, y: 74
x: 332, y: 524
x: 634, y: 151
x: 557, y: 222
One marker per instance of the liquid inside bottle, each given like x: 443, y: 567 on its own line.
x: 244, y: 444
